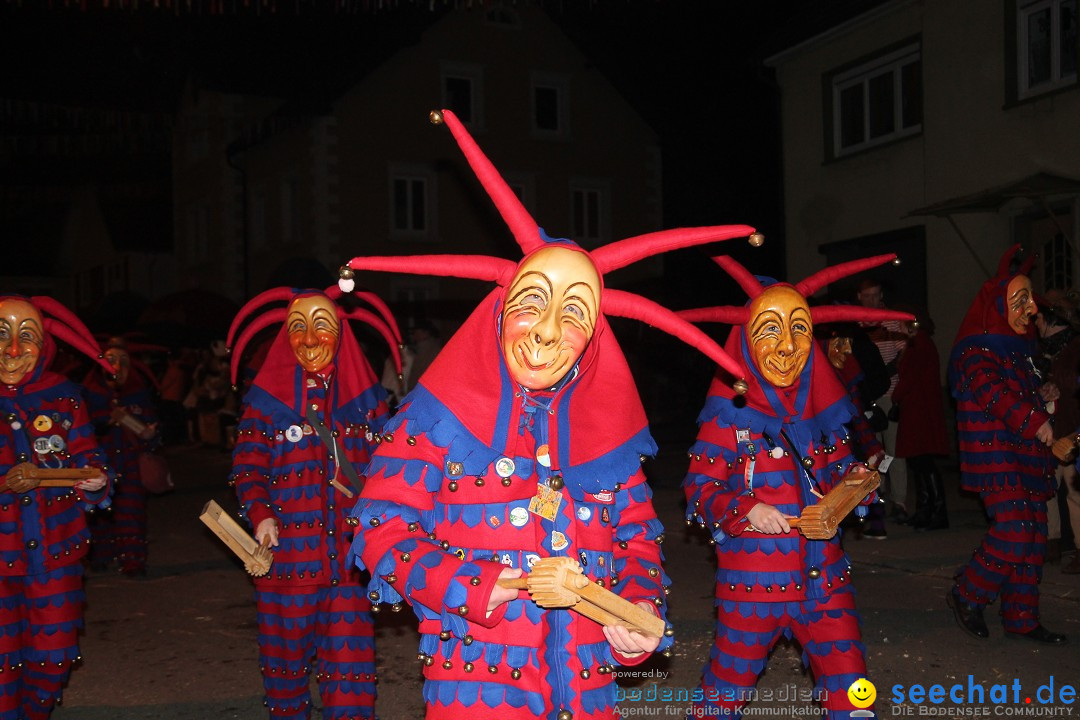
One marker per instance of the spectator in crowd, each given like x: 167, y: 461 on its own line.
x: 1058, y: 361
x: 175, y: 385
x: 921, y: 434
x: 890, y: 339
x: 424, y: 344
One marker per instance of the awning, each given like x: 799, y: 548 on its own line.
x: 1038, y: 187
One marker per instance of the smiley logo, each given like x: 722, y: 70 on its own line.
x: 862, y: 693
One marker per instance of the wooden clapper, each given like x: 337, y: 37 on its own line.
x: 50, y: 477
x: 256, y: 558
x: 558, y: 582
x: 1064, y: 448
x: 821, y: 521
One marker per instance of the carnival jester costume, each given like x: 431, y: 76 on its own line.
x: 523, y: 440
x: 44, y: 536
x: 760, y: 459
x: 121, y: 533
x: 1004, y: 432
x: 307, y: 423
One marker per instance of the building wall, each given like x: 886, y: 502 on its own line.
x: 319, y: 185
x: 970, y: 141
x: 383, y: 124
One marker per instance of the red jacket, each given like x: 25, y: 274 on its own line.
x: 921, y: 429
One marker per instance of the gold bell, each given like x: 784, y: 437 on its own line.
x: 757, y: 239
x: 740, y: 386
x: 435, y: 117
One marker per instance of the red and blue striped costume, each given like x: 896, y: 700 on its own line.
x: 768, y: 586
x: 312, y: 607
x: 43, y: 542
x: 121, y: 534
x: 998, y: 410
x: 445, y: 508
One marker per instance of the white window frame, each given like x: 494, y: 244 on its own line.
x: 1024, y: 11
x: 892, y: 62
x: 602, y: 190
x: 474, y: 75
x: 561, y: 85
x: 411, y: 174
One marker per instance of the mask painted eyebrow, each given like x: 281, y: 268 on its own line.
x: 28, y: 323
x: 763, y: 318
x: 542, y: 283
x: 588, y: 303
x: 327, y: 316
x: 801, y: 314
x: 296, y: 317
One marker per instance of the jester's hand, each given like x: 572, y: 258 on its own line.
x: 91, y: 484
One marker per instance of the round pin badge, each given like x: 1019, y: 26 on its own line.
x: 43, y: 423
x: 543, y: 455
x: 56, y: 443
x: 41, y: 446
x: 16, y: 425
x: 519, y: 516
x: 531, y: 559
x: 504, y: 467
x: 294, y: 433
x: 584, y: 513
x: 777, y: 452
x: 558, y: 541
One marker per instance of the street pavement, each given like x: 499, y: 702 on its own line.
x: 180, y: 644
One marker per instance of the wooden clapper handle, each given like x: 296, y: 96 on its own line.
x: 822, y: 520
x: 52, y: 477
x: 256, y: 557
x: 559, y: 582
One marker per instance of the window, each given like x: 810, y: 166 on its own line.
x: 550, y: 115
x: 1045, y: 230
x: 588, y: 212
x: 1057, y: 263
x: 876, y: 100
x: 462, y: 92
x: 411, y: 193
x: 1046, y: 45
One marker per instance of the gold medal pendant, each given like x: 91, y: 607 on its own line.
x: 545, y: 503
